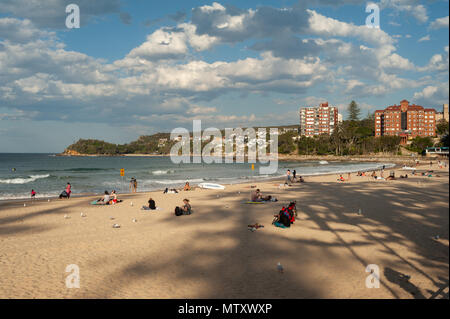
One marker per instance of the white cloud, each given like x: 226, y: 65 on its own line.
x: 439, y: 23
x: 412, y: 7
x: 329, y: 27
x: 433, y: 95
x: 161, y: 45
x: 425, y: 38
x: 20, y: 31
x: 438, y: 63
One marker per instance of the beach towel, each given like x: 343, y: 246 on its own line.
x: 278, y: 224
x: 97, y: 203
x: 147, y: 208
x: 250, y: 202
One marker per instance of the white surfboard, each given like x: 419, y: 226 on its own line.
x: 211, y: 186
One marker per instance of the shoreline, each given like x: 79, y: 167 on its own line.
x: 294, y: 157
x: 195, y: 185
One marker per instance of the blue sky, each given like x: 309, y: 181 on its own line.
x: 140, y: 67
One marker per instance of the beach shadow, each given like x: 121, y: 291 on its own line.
x: 403, y: 282
x: 246, y: 266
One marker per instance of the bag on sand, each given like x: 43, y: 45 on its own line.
x: 178, y: 211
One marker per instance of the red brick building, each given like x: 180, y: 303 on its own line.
x: 405, y: 120
x: 318, y: 120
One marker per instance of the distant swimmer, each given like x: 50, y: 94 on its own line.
x: 13, y: 169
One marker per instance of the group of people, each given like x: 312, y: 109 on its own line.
x: 291, y: 177
x: 109, y: 198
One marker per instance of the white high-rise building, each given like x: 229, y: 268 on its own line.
x: 318, y: 120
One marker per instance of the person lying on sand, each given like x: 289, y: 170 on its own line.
x: 256, y: 196
x: 406, y: 176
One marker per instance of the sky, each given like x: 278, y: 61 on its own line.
x: 140, y: 67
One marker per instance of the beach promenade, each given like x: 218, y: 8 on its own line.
x: 212, y: 254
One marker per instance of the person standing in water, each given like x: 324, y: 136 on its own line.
x: 133, y: 185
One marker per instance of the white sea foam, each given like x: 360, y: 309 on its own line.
x: 175, y: 181
x: 19, y: 180
x: 9, y: 196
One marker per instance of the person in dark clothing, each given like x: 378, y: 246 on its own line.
x: 151, y: 204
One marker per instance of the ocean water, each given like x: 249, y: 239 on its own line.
x: 48, y: 174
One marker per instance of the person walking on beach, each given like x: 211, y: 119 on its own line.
x: 33, y: 194
x: 294, y: 175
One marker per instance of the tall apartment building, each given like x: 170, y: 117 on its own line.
x: 407, y: 121
x: 318, y: 120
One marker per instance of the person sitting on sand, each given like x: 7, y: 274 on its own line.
x: 170, y: 191
x: 374, y: 175
x: 341, y: 179
x: 185, y: 210
x: 187, y: 187
x: 300, y: 179
x: 151, y: 204
x: 257, y: 197
x: 105, y: 200
x: 114, y: 199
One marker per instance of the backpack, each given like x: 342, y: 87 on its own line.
x: 291, y: 211
x: 178, y: 211
x: 285, y: 218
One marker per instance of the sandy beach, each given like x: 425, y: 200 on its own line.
x: 212, y: 254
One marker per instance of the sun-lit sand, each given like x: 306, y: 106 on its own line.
x: 212, y: 254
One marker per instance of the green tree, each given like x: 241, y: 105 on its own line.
x: 442, y: 127
x: 419, y: 144
x: 353, y: 111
